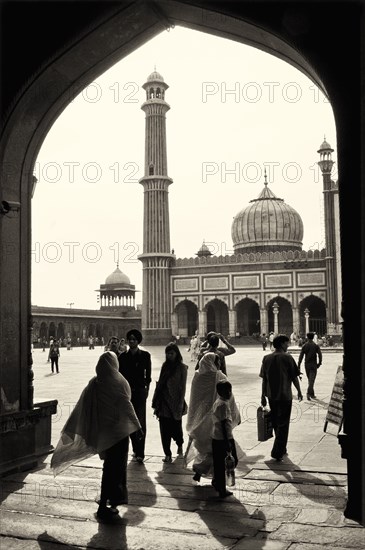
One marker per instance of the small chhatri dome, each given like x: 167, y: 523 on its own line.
x: 155, y: 76
x: 117, y: 278
x: 203, y: 250
x: 325, y: 146
x: 267, y: 225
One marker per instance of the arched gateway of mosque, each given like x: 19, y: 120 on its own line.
x: 85, y: 43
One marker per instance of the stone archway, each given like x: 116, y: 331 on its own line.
x: 187, y: 318
x: 285, y: 315
x: 217, y: 317
x: 248, y: 317
x: 52, y: 333
x: 317, y: 315
x: 65, y: 68
x: 60, y: 331
x: 43, y: 331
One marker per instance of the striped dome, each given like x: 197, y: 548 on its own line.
x: 155, y: 76
x: 267, y: 224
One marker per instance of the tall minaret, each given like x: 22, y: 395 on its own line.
x: 331, y: 219
x: 156, y: 257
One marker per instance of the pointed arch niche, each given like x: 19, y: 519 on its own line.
x: 187, y: 318
x: 248, y: 317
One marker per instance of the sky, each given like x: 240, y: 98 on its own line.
x: 235, y: 111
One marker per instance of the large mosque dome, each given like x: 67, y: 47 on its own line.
x: 267, y: 224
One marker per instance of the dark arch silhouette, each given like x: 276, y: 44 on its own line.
x: 59, y: 63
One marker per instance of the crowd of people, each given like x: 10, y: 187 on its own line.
x: 111, y: 410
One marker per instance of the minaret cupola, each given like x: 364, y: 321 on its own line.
x: 325, y: 157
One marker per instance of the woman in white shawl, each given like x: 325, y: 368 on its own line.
x: 101, y: 423
x: 200, y: 421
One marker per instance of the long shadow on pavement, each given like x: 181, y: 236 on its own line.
x: 141, y: 491
x: 228, y: 520
x: 316, y: 489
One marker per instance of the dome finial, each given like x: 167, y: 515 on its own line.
x: 265, y: 176
x: 154, y: 67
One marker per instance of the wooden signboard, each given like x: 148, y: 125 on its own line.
x: 334, y: 411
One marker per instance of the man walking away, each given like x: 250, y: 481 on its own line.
x: 278, y: 372
x: 310, y: 351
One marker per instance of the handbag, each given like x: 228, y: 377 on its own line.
x: 264, y: 424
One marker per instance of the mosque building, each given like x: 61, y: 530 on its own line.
x: 117, y: 313
x: 269, y: 284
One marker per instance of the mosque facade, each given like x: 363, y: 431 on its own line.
x: 269, y: 284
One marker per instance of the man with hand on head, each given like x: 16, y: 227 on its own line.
x: 135, y: 366
x: 212, y: 345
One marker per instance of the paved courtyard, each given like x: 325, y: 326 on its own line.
x: 295, y: 504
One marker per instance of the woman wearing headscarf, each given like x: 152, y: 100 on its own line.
x: 200, y: 420
x: 101, y: 423
x: 168, y: 400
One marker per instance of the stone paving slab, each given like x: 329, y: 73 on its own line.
x: 118, y: 536
x: 303, y: 494
x: 292, y: 497
x: 261, y: 544
x: 10, y: 543
x: 349, y: 537
x: 219, y: 522
x: 300, y: 546
x: 298, y: 477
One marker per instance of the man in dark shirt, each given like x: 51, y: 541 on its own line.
x: 278, y: 372
x: 310, y: 351
x: 135, y: 366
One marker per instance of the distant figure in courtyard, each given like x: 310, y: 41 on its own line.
x: 54, y: 354
x: 311, y: 352
x: 278, y: 372
x: 169, y: 402
x: 135, y: 365
x: 113, y: 345
x: 101, y: 423
x: 212, y: 345
x: 122, y: 345
x: 271, y: 340
x: 264, y: 341
x: 194, y: 348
